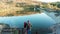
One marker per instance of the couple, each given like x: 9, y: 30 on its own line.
x: 27, y: 27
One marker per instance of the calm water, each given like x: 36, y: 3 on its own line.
x: 54, y: 16
x: 37, y: 20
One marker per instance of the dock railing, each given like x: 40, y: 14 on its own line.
x: 12, y: 31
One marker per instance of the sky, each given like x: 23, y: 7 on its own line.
x: 48, y: 0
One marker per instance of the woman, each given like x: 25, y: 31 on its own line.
x: 25, y: 28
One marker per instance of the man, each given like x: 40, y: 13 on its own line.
x: 29, y: 27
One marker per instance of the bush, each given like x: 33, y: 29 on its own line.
x: 58, y: 5
x: 17, y: 12
x: 31, y: 8
x: 20, y: 12
x: 10, y: 15
x: 53, y: 4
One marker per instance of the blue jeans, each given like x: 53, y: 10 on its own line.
x: 29, y: 31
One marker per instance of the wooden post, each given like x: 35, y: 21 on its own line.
x: 22, y: 30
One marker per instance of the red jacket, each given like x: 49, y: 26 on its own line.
x: 25, y: 24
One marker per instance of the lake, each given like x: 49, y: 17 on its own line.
x: 37, y: 20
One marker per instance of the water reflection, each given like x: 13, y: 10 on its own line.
x: 54, y: 15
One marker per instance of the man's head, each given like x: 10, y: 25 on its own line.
x: 28, y: 21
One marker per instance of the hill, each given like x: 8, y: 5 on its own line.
x: 24, y: 7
